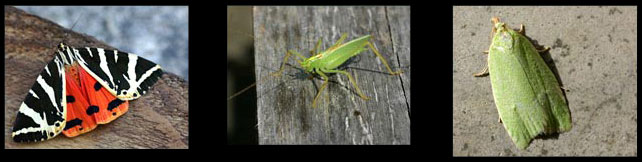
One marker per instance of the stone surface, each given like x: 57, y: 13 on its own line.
x: 594, y: 49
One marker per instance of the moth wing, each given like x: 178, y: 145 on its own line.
x: 106, y: 106
x: 125, y: 75
x: 548, y: 92
x: 90, y: 104
x: 42, y: 114
x: 524, y: 98
x: 78, y: 120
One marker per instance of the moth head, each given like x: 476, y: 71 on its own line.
x: 500, y: 26
x: 61, y: 46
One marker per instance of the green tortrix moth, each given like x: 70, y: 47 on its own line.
x: 528, y: 97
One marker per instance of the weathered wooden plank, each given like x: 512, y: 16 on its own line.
x: 399, y: 19
x: 285, y: 112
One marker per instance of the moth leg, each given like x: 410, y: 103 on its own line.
x: 522, y: 29
x: 543, y: 50
x: 482, y: 73
x: 564, y: 89
x: 485, y: 71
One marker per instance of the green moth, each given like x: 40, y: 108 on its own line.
x: 528, y: 97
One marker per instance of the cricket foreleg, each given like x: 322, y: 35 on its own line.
x: 277, y: 73
x: 285, y: 60
x: 316, y: 48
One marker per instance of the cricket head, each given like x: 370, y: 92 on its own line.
x: 306, y: 65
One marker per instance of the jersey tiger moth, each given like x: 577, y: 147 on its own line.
x: 80, y: 88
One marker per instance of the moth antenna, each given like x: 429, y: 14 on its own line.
x: 72, y: 27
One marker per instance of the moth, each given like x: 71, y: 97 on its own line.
x: 528, y: 96
x: 81, y: 88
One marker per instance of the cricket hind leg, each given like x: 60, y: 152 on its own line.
x: 376, y: 52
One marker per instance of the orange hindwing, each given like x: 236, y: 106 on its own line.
x: 88, y: 103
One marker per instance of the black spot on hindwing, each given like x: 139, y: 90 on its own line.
x: 72, y: 123
x: 97, y: 86
x: 114, y: 103
x: 71, y: 99
x: 92, y: 109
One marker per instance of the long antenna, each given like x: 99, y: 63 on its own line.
x: 72, y: 27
